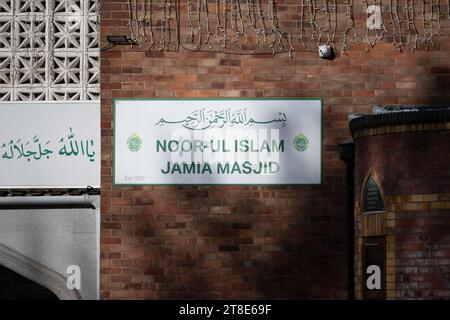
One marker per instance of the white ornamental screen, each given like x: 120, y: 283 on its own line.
x: 49, y: 50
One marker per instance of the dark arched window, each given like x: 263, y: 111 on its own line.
x: 13, y: 286
x: 372, y: 197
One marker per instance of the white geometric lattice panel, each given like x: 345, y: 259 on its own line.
x: 5, y: 7
x: 92, y: 69
x: 92, y: 6
x: 68, y: 6
x: 30, y: 94
x: 31, y: 69
x: 92, y: 32
x: 6, y: 33
x: 5, y: 71
x: 25, y: 7
x: 5, y: 94
x: 93, y: 93
x: 49, y: 50
x: 65, y: 94
x: 31, y: 33
x: 67, y: 33
x: 66, y: 69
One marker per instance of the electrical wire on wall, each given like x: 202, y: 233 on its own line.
x: 396, y: 24
x: 379, y: 26
x: 256, y: 26
x: 350, y: 28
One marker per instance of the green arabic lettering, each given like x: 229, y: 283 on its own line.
x: 90, y: 155
x: 71, y: 134
x: 64, y: 148
x: 82, y: 147
x: 74, y: 147
x: 63, y: 151
x: 5, y: 154
x: 74, y: 152
x: 47, y: 151
x: 34, y: 153
x: 20, y: 150
x: 44, y: 152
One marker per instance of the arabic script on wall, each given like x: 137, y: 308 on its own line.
x: 36, y: 148
x: 203, y: 119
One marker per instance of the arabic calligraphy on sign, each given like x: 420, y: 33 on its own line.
x: 202, y: 119
x: 35, y: 149
x: 22, y: 149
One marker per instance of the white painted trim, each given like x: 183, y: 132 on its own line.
x: 52, y: 102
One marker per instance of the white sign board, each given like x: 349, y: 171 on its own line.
x: 229, y: 141
x: 49, y: 144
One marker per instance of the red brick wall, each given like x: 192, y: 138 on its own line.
x: 391, y: 155
x: 244, y: 242
x: 422, y: 254
x: 414, y: 171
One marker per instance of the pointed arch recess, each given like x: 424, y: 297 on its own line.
x: 33, y: 270
x: 372, y: 183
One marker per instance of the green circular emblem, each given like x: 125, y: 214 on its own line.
x: 134, y: 142
x: 301, y: 142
